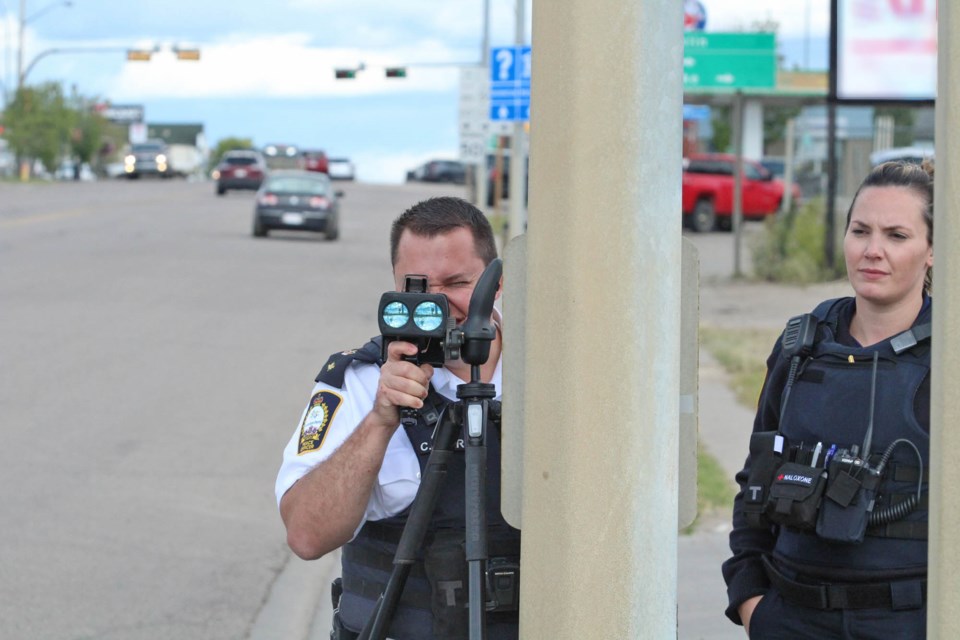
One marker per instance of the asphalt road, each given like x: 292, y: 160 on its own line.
x: 155, y: 358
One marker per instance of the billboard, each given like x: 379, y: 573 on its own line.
x: 884, y: 50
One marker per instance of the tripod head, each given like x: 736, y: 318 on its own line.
x: 478, y: 329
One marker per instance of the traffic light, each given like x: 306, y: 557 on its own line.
x: 396, y: 72
x: 188, y: 54
x: 345, y: 74
x: 139, y: 55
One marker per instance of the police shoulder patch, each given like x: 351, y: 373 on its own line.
x: 320, y: 412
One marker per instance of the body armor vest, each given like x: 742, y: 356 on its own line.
x: 367, y: 560
x: 830, y: 403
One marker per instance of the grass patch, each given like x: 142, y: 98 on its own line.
x: 715, y: 489
x: 743, y: 354
x: 714, y: 486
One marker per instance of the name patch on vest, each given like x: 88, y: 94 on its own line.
x: 323, y: 406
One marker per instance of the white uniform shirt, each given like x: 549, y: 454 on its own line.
x: 333, y: 414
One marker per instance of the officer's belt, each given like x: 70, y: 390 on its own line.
x: 898, y: 595
x: 379, y: 561
x: 373, y: 590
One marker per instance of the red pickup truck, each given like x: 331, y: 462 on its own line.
x: 708, y: 191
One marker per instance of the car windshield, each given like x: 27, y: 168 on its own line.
x: 292, y: 184
x: 240, y: 161
x: 146, y: 147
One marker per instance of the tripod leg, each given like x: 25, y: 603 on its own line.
x: 415, y: 529
x: 476, y: 515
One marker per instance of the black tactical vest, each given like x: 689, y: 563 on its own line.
x: 367, y: 559
x: 830, y: 403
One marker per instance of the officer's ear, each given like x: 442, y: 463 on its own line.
x: 499, y: 289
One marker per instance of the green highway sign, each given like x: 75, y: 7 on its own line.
x: 714, y: 61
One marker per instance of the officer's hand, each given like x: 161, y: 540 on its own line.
x: 746, y: 611
x: 402, y: 384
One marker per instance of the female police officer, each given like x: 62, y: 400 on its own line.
x: 829, y: 528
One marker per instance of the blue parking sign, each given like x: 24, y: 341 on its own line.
x: 510, y: 69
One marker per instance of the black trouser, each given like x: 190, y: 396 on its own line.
x: 776, y: 619
x: 794, y: 609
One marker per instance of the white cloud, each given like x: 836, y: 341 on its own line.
x: 796, y: 18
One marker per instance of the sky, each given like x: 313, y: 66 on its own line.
x: 267, y: 69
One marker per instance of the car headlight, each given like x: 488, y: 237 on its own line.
x: 131, y: 159
x: 161, y: 159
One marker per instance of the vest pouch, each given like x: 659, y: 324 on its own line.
x: 795, y: 495
x: 766, y: 449
x: 847, y: 505
x: 445, y: 563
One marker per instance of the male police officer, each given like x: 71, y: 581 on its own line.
x: 349, y: 473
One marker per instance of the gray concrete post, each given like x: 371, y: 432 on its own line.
x: 603, y: 321
x: 943, y: 595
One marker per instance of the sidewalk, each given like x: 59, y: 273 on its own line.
x: 725, y: 427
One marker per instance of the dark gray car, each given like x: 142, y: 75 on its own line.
x: 297, y: 201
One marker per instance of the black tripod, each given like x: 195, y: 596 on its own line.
x: 469, y: 415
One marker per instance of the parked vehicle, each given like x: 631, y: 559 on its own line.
x: 184, y: 160
x: 776, y: 165
x: 916, y: 155
x: 316, y: 160
x: 240, y: 169
x: 452, y: 171
x: 297, y: 201
x: 708, y: 191
x: 147, y: 159
x: 341, y: 169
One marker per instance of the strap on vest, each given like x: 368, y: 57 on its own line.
x: 911, y: 337
x: 898, y: 595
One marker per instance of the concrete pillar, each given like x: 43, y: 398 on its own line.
x: 943, y: 612
x: 599, y: 505
x: 752, y: 129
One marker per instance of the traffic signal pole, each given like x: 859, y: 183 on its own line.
x: 943, y: 593
x: 518, y: 148
x: 602, y: 322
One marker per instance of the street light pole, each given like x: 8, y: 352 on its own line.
x: 22, y: 24
x: 24, y: 19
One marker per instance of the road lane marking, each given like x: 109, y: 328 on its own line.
x: 44, y: 217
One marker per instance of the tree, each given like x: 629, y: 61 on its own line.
x: 228, y: 144
x: 86, y: 136
x: 38, y: 123
x: 722, y: 131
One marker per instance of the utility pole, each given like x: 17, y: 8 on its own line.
x: 480, y: 171
x: 518, y: 149
x: 22, y: 24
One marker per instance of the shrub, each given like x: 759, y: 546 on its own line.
x: 791, y: 247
